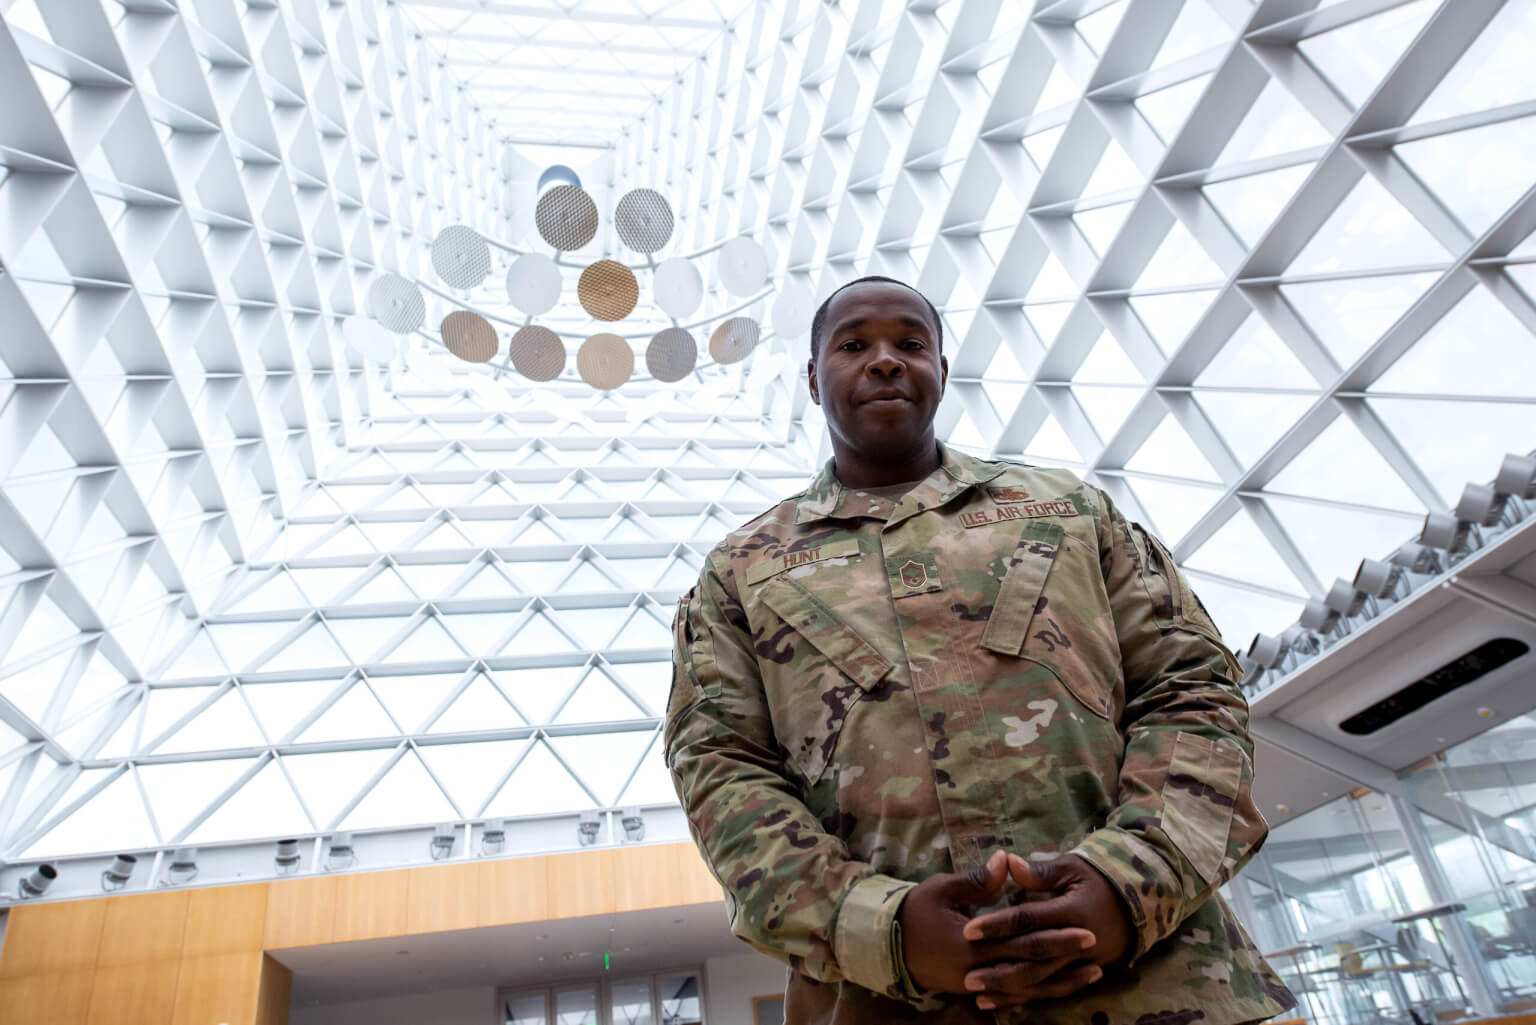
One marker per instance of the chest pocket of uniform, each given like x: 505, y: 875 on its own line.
x: 1021, y: 624
x: 817, y: 690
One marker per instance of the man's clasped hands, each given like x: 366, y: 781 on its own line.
x: 1068, y: 925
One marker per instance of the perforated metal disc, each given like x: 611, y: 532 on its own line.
x: 460, y: 256
x: 793, y: 311
x: 533, y: 283
x: 605, y: 361
x: 734, y: 340
x: 366, y: 337
x: 566, y: 217
x: 643, y: 220
x: 608, y: 290
x: 743, y: 266
x: 537, y: 353
x: 397, y: 303
x: 672, y: 354
x: 469, y: 336
x: 678, y: 287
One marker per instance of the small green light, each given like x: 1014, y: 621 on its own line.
x: 607, y: 960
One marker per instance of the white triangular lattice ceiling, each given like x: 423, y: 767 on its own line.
x: 1261, y: 270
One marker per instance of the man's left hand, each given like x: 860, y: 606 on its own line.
x: 1076, y: 896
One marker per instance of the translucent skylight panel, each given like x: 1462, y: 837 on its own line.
x: 1481, y: 172
x: 1168, y: 108
x: 1458, y: 442
x: 1196, y: 29
x: 1250, y: 204
x: 1347, y: 315
x: 1355, y: 57
x: 1370, y: 229
x: 1341, y: 465
x: 1455, y: 355
x: 1333, y: 539
x: 1240, y: 613
x: 1494, y: 71
x: 1170, y: 452
x: 1174, y: 508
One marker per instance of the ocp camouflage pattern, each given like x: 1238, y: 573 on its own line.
x: 867, y: 694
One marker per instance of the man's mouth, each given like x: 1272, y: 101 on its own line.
x: 886, y: 396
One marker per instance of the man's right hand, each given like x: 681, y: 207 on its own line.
x: 933, y: 944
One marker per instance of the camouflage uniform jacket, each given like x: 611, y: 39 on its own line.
x: 865, y: 695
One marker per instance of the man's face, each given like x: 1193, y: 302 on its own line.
x: 878, y: 374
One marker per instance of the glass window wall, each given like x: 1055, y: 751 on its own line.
x: 673, y: 998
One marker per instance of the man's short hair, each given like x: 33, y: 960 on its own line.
x: 819, y: 322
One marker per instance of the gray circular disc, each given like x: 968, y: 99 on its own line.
x: 672, y: 355
x: 397, y: 303
x: 537, y: 353
x: 793, y: 311
x: 743, y: 267
x: 367, y: 337
x: 677, y: 287
x: 734, y: 340
x: 460, y: 256
x: 469, y: 336
x: 643, y: 220
x: 605, y: 361
x: 566, y: 218
x: 533, y: 283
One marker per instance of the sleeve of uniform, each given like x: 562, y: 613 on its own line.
x: 1185, y: 821
x: 792, y: 890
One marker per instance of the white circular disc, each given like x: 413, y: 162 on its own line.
x: 734, y: 340
x: 672, y: 355
x: 793, y: 311
x: 460, y: 256
x: 397, y: 303
x: 537, y: 353
x: 533, y: 283
x: 367, y: 337
x: 643, y: 220
x: 605, y: 361
x: 677, y: 286
x: 470, y: 336
x: 743, y: 267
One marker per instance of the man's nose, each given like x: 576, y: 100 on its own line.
x: 886, y: 364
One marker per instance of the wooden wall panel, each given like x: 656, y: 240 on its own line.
x: 442, y: 898
x: 300, y: 912
x: 143, y: 927
x: 581, y: 884
x: 514, y: 890
x: 218, y: 990
x: 274, y: 994
x: 134, y: 993
x: 49, y: 938
x: 370, y: 905
x: 226, y: 920
x: 645, y: 877
x: 696, y: 883
x: 55, y: 998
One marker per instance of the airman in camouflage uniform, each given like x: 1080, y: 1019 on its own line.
x: 870, y: 692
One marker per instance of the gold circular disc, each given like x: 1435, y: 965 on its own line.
x: 605, y: 361
x: 537, y: 353
x: 469, y: 336
x: 608, y: 290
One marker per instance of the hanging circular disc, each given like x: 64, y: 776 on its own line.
x: 537, y: 353
x: 460, y: 256
x: 793, y: 311
x: 677, y: 287
x: 608, y: 290
x: 734, y: 340
x: 605, y: 361
x: 469, y: 336
x: 672, y: 355
x: 743, y: 267
x: 643, y: 220
x: 533, y: 283
x: 367, y: 337
x: 397, y: 303
x: 566, y: 217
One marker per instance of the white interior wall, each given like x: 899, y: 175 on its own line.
x: 731, y: 982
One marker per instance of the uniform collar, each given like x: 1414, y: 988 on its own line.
x: 827, y: 498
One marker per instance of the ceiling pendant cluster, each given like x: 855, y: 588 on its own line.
x: 608, y: 291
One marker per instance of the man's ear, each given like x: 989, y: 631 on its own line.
x: 810, y: 375
x: 943, y: 373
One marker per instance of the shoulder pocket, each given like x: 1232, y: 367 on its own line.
x: 839, y: 643
x: 687, y: 650
x: 1198, y: 798
x: 1174, y: 605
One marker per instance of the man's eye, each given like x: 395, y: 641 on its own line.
x: 913, y: 343
x: 851, y: 343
